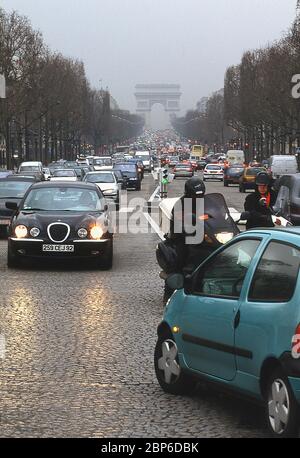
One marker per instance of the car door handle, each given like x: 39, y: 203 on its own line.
x: 237, y: 319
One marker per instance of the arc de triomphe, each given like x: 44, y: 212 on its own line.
x: 148, y: 95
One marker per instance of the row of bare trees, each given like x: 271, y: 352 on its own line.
x: 257, y: 111
x: 50, y: 110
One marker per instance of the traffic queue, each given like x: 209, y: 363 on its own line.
x: 64, y: 210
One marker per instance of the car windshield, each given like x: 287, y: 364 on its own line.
x: 64, y: 173
x: 13, y: 189
x: 100, y: 178
x: 29, y: 168
x: 126, y: 167
x: 63, y: 199
x: 102, y: 162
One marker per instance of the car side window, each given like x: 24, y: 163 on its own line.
x: 224, y: 274
x: 276, y: 274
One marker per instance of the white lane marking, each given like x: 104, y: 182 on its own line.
x: 156, y: 193
x: 154, y: 226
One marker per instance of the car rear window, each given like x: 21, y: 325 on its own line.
x: 214, y: 167
x: 254, y: 171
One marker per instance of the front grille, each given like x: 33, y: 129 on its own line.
x: 58, y: 232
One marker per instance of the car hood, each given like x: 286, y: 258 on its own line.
x: 106, y: 186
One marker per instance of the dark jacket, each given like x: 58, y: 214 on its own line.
x: 260, y: 216
x: 189, y: 256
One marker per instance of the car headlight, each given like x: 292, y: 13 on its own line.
x: 35, y: 232
x: 224, y: 237
x: 82, y: 233
x: 21, y: 231
x: 97, y: 232
x: 109, y: 191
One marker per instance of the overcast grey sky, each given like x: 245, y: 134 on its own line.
x: 124, y: 42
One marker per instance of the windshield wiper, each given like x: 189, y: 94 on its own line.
x: 10, y: 197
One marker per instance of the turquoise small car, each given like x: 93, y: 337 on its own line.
x: 236, y: 321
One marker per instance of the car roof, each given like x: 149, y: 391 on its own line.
x: 96, y: 172
x: 276, y: 231
x: 20, y: 178
x: 69, y: 184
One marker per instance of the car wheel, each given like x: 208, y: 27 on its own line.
x: 106, y: 262
x: 12, y: 260
x: 168, y: 372
x: 282, y: 409
x: 242, y: 189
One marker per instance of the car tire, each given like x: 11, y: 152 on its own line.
x: 282, y: 409
x: 106, y: 262
x: 12, y: 260
x: 168, y: 372
x: 242, y: 189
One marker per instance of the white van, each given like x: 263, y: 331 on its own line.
x: 282, y: 165
x: 235, y: 156
x: 145, y: 157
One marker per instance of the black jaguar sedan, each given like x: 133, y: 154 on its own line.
x: 61, y: 220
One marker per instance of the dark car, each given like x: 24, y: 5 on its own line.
x: 63, y: 221
x: 120, y: 178
x: 12, y: 188
x: 232, y: 175
x: 288, y: 199
x: 140, y: 165
x: 131, y: 174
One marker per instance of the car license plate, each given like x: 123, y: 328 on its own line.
x: 59, y: 248
x: 4, y: 222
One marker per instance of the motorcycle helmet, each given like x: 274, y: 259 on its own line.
x: 263, y: 178
x: 194, y: 187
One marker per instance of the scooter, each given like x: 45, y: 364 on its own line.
x: 219, y: 228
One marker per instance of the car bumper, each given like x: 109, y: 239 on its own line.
x: 213, y: 176
x: 29, y: 248
x: 183, y: 174
x: 232, y: 180
x: 249, y: 184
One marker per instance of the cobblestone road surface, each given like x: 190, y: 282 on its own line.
x: 79, y: 352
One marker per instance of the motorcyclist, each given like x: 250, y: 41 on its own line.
x: 261, y: 215
x: 189, y: 255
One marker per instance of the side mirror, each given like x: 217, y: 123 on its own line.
x: 175, y: 281
x: 12, y: 206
